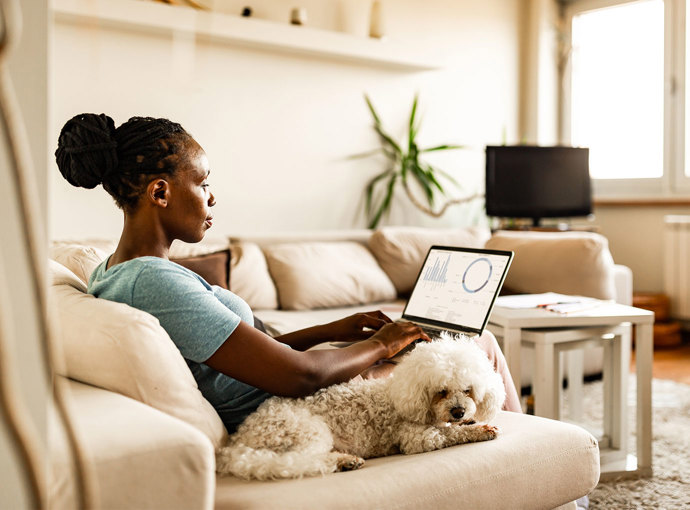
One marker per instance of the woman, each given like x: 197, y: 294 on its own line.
x: 158, y: 175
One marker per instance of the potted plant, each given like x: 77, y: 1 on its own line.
x: 404, y: 165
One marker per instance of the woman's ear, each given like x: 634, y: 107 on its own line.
x: 158, y: 192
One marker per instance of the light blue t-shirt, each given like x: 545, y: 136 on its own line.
x: 197, y: 316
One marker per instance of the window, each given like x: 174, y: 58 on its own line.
x: 623, y: 95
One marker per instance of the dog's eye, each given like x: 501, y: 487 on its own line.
x: 443, y: 393
x: 467, y: 391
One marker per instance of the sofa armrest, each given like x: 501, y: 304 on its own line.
x: 141, y: 457
x: 623, y: 280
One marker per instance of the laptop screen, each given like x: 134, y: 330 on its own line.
x: 456, y: 287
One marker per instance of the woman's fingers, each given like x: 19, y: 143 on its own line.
x: 379, y: 315
x: 373, y: 320
x: 398, y: 335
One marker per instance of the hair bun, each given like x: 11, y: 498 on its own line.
x: 87, y: 149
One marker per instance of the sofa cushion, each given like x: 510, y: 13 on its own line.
x: 321, y: 275
x: 122, y: 349
x: 401, y: 250
x: 250, y: 278
x: 78, y: 258
x: 534, y: 463
x: 577, y: 263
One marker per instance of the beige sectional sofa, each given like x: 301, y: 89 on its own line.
x: 151, y: 435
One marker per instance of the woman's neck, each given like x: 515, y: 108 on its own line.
x: 141, y: 236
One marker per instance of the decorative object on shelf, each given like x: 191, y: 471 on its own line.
x: 354, y: 16
x: 404, y: 162
x: 377, y: 29
x: 196, y: 4
x: 246, y: 12
x: 298, y: 16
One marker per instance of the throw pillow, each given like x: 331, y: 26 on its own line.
x: 122, y: 349
x: 401, y: 250
x: 577, y: 263
x: 212, y: 267
x: 324, y: 275
x: 250, y: 277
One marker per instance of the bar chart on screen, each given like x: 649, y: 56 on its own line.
x: 437, y: 271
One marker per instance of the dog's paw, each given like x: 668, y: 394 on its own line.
x: 347, y: 462
x: 489, y: 431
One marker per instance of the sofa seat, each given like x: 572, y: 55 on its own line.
x: 530, y: 454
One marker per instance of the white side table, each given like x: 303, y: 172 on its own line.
x: 550, y: 332
x: 616, y: 340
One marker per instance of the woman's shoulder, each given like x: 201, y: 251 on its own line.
x: 152, y: 270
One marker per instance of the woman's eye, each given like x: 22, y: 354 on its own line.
x: 205, y: 185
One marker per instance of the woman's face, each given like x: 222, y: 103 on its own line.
x: 188, y: 214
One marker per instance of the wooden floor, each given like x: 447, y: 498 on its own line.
x: 673, y: 363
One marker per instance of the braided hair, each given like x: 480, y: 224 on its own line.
x: 91, y: 151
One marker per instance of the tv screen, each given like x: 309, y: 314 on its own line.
x: 537, y: 182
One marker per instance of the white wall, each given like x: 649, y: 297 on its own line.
x: 636, y: 239
x: 278, y: 128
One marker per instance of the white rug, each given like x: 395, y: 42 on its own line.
x: 669, y: 488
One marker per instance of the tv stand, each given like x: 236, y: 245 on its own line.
x: 536, y: 226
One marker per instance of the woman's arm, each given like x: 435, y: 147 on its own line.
x: 356, y: 327
x: 254, y: 358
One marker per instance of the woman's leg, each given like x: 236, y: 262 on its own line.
x: 487, y: 341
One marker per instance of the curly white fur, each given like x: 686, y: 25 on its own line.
x: 434, y: 399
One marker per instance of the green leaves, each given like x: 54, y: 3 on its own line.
x: 402, y: 165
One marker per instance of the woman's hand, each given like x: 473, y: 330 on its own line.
x: 398, y: 335
x: 359, y: 326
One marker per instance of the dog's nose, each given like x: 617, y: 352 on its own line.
x: 457, y: 412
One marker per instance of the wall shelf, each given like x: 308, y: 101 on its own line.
x: 153, y: 17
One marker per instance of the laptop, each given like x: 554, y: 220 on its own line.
x: 456, y: 289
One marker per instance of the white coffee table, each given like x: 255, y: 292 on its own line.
x: 549, y: 332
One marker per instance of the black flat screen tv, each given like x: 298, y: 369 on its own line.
x: 537, y: 182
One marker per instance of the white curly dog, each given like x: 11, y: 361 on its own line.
x: 436, y: 397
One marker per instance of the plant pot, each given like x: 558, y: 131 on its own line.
x: 354, y: 16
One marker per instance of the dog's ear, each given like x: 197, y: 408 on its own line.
x: 410, y: 399
x: 491, y: 401
x: 409, y: 386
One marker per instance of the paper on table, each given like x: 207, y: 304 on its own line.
x: 523, y: 301
x: 551, y: 301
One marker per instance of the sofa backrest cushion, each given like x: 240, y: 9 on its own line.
x: 401, y: 250
x: 329, y: 274
x: 78, y: 258
x: 577, y: 263
x: 122, y: 349
x: 249, y: 276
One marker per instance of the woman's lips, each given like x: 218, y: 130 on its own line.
x: 209, y: 222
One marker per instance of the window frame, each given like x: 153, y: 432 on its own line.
x: 673, y: 182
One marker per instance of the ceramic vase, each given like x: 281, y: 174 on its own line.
x: 354, y: 16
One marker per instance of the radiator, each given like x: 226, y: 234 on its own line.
x: 677, y: 264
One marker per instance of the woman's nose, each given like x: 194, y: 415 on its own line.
x: 211, y: 200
